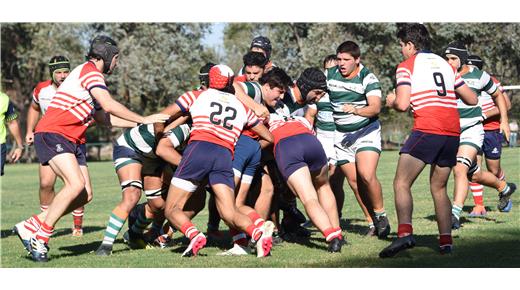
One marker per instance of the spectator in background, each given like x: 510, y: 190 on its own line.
x: 513, y: 126
x: 9, y: 116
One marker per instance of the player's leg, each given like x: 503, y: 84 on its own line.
x: 366, y: 165
x: 47, y: 181
x: 67, y: 168
x: 178, y: 194
x: 492, y: 148
x: 129, y: 174
x: 438, y: 183
x: 337, y: 180
x: 349, y: 170
x: 408, y: 169
x: 477, y: 191
x: 466, y: 155
x: 78, y: 213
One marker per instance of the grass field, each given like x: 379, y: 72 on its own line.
x: 489, y: 242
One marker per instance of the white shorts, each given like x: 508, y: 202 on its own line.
x: 326, y: 139
x: 473, y: 136
x: 369, y: 142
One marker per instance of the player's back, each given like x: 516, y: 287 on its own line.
x: 433, y: 100
x: 218, y: 117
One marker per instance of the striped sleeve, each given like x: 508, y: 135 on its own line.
x: 403, y: 74
x: 10, y: 114
x: 90, y: 77
x: 186, y: 100
x: 250, y: 89
x: 459, y: 81
x: 487, y: 83
x: 252, y: 119
x: 35, y: 96
x: 179, y: 135
x: 372, y: 86
x: 498, y: 84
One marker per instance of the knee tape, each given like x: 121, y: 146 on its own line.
x: 134, y: 183
x: 464, y: 160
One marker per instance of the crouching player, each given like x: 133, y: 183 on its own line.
x: 303, y: 163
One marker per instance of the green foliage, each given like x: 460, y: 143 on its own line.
x: 159, y: 61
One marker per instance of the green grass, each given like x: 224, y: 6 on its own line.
x: 490, y: 242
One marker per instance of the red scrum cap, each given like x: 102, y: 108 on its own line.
x: 220, y: 76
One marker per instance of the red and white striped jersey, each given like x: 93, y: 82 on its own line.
x: 71, y: 110
x: 43, y: 93
x: 433, y: 101
x: 491, y: 123
x: 218, y: 117
x: 283, y: 126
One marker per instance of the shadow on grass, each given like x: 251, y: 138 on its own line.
x: 426, y: 254
x: 60, y: 232
x: 347, y: 225
x: 86, y: 230
x: 468, y: 220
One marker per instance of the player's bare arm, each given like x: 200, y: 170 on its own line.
x: 501, y: 104
x: 115, y: 108
x: 167, y: 152
x: 33, y: 115
x: 401, y: 100
x: 467, y: 95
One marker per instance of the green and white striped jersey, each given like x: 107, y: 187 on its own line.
x: 479, y: 81
x: 351, y: 91
x: 324, y: 118
x: 142, y: 139
x: 254, y: 90
x: 288, y: 106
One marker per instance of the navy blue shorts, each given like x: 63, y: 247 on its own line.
x: 48, y: 145
x: 432, y: 148
x: 3, y: 149
x: 202, y: 160
x: 247, y: 157
x: 295, y: 152
x: 492, y: 146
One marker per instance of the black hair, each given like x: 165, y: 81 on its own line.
x: 349, y: 47
x: 276, y: 78
x: 415, y: 33
x: 255, y: 58
x: 328, y: 58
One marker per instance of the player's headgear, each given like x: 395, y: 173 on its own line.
x: 264, y: 43
x: 58, y: 62
x: 105, y: 48
x: 459, y: 49
x: 476, y: 61
x: 204, y: 74
x: 311, y: 78
x: 220, y: 77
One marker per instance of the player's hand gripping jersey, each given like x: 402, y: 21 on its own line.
x: 433, y: 100
x: 218, y: 117
x: 70, y: 111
